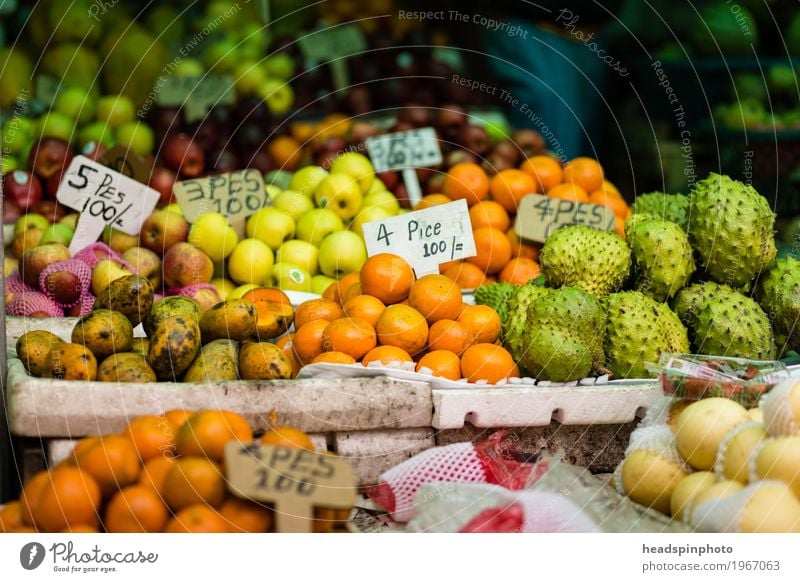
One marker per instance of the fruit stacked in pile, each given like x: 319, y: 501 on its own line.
x: 160, y: 474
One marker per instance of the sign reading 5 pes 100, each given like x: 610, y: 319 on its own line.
x: 424, y: 238
x: 416, y: 148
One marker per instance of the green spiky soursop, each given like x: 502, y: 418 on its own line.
x: 733, y: 325
x: 690, y: 299
x: 672, y: 207
x: 662, y: 256
x: 495, y: 295
x: 778, y: 295
x: 731, y: 228
x: 638, y: 331
x: 516, y: 321
x: 580, y: 256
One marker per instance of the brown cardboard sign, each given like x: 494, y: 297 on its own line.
x: 294, y: 480
x: 538, y: 216
x: 235, y: 195
x: 127, y: 163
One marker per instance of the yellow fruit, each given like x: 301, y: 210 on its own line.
x: 687, y: 489
x: 701, y: 428
x: 649, y: 478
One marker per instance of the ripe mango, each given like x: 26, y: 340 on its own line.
x: 33, y: 347
x: 218, y: 361
x: 234, y: 319
x: 263, y: 361
x: 104, y: 332
x: 140, y: 345
x: 169, y: 307
x: 125, y: 367
x: 70, y: 362
x: 173, y: 347
x: 132, y: 296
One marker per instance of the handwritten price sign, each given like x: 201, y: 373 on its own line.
x: 425, y: 238
x: 104, y: 197
x: 417, y: 148
x: 235, y: 195
x: 295, y: 480
x: 333, y: 45
x: 538, y: 216
x: 196, y: 94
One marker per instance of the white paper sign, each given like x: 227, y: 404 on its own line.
x: 197, y: 94
x: 425, y: 238
x: 332, y: 43
x: 104, y: 197
x: 417, y: 148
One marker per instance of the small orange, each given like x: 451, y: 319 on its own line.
x: 154, y: 472
x: 307, y: 343
x: 314, y: 309
x: 80, y: 528
x: 482, y: 321
x: 206, y: 433
x: 136, y: 509
x: 112, y: 460
x: 443, y: 267
x: 489, y: 213
x: 448, y: 334
x: 488, y: 362
x: 508, y: 187
x: 519, y: 271
x: 545, y: 170
x: 352, y: 291
x: 197, y: 518
x: 350, y: 335
x: 584, y: 172
x: 619, y: 228
x: 243, y: 516
x: 387, y: 277
x: 153, y: 436
x: 285, y: 151
x: 610, y: 189
x: 520, y: 248
x: 285, y: 344
x: 194, y: 480
x: 436, y: 297
x: 365, y: 307
x: 441, y: 363
x: 334, y: 290
x: 69, y: 497
x: 432, y: 200
x: 178, y: 416
x: 616, y: 203
x: 466, y: 181
x: 287, y: 436
x: 30, y: 495
x: 386, y: 355
x: 466, y: 275
x: 333, y: 125
x: 493, y: 247
x: 333, y: 358
x: 404, y: 327
x: 10, y: 516
x: 568, y: 191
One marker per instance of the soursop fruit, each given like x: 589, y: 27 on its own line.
x: 515, y: 324
x: 495, y: 295
x: 731, y: 227
x: 733, y: 325
x: 638, y: 331
x: 672, y: 207
x: 558, y: 357
x: 778, y: 294
x: 690, y: 299
x: 662, y: 256
x: 580, y: 256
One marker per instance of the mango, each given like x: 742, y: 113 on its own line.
x: 140, y: 345
x: 33, y: 347
x: 132, y: 296
x: 218, y: 361
x: 263, y: 361
x: 173, y: 347
x: 234, y: 319
x: 104, y: 332
x: 125, y: 367
x: 169, y: 307
x: 70, y: 362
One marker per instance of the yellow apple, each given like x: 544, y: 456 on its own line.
x: 250, y: 262
x: 293, y: 203
x: 384, y: 199
x: 271, y: 226
x: 368, y: 215
x: 319, y: 283
x: 224, y: 287
x: 212, y: 234
x: 305, y: 180
x: 300, y: 253
x: 289, y: 277
x: 356, y: 166
x: 340, y: 193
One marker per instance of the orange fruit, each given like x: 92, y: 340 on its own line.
x: 489, y: 213
x: 387, y: 277
x: 365, y: 307
x: 466, y: 181
x: 333, y: 124
x: 386, y: 355
x: 520, y: 248
x: 269, y: 294
x: 584, y: 172
x: 352, y: 291
x: 177, y: 417
x: 335, y: 290
x: 274, y: 311
x: 243, y: 516
x: 333, y: 358
x: 508, y: 187
x: 466, y: 275
x: 155, y: 471
x: 488, y: 362
x: 285, y: 344
x: 197, y: 518
x: 350, y: 335
x: 287, y: 436
x: 545, y: 170
x: 135, y: 509
x: 432, y: 200
x: 610, y: 189
x: 10, y: 516
x: 206, y: 433
x: 519, y: 271
x: 152, y: 436
x: 448, y: 334
x: 568, y: 191
x: 285, y: 151
x: 30, y: 495
x: 493, y: 247
x: 441, y: 363
x: 317, y: 309
x: 619, y: 228
x: 616, y: 203
x: 482, y: 321
x: 404, y: 327
x: 69, y: 497
x: 307, y: 343
x: 112, y: 460
x: 436, y: 297
x: 80, y: 528
x: 194, y: 480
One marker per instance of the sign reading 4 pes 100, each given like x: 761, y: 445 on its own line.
x: 417, y: 148
x: 235, y: 195
x: 539, y: 216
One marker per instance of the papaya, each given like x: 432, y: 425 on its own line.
x: 125, y: 367
x: 263, y: 361
x: 169, y: 307
x: 33, y: 347
x: 132, y: 296
x: 218, y: 361
x: 173, y: 347
x: 104, y: 332
x: 234, y: 319
x: 70, y: 362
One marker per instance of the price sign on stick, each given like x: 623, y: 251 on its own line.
x: 406, y: 151
x: 538, y: 216
x: 104, y: 197
x: 333, y: 45
x: 294, y: 480
x: 425, y: 238
x: 196, y: 94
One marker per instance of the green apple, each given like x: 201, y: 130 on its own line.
x: 278, y: 95
x: 279, y: 178
x: 305, y: 180
x: 175, y: 208
x: 289, y: 277
x: 57, y: 233
x: 137, y: 137
x: 248, y: 77
x: 76, y: 104
x: 319, y: 283
x: 280, y: 65
x: 29, y: 221
x: 384, y: 199
x: 340, y: 193
x: 115, y: 110
x: 356, y: 166
x: 224, y: 287
x: 55, y: 124
x: 368, y: 215
x: 239, y: 292
x: 293, y: 203
x: 254, y: 40
x: 212, y: 234
x: 189, y: 68
x: 250, y: 262
x: 316, y: 224
x: 71, y: 220
x: 377, y: 186
x: 341, y: 253
x: 8, y: 164
x: 270, y: 225
x: 272, y: 191
x: 300, y: 253
x: 15, y: 134
x: 98, y: 132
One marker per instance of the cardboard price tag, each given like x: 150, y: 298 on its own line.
x: 196, y: 94
x: 294, y: 480
x: 425, y: 238
x: 332, y: 43
x: 235, y: 195
x: 417, y: 148
x: 538, y: 216
x: 104, y: 197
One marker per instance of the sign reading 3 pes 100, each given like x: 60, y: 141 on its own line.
x: 417, y: 148
x: 235, y: 195
x: 539, y: 216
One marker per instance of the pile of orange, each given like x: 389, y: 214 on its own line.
x: 383, y: 314
x: 160, y: 474
x: 493, y: 203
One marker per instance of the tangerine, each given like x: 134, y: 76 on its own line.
x: 197, y: 518
x: 349, y: 335
x: 488, y: 362
x: 69, y: 497
x: 333, y: 358
x: 386, y: 277
x: 315, y: 309
x: 154, y: 472
x: 386, y: 355
x: 493, y: 249
x: 365, y: 307
x: 111, y: 459
x: 489, y: 213
x: 308, y: 340
x: 448, y: 334
x: 568, y: 191
x: 545, y: 170
x: 508, y: 187
x: 404, y: 327
x: 466, y: 181
x: 441, y: 363
x: 136, y: 509
x: 193, y: 480
x: 482, y: 321
x: 435, y: 297
x: 519, y: 271
x: 243, y: 516
x: 153, y: 436
x: 584, y: 172
x: 206, y: 433
x: 287, y: 436
x: 466, y: 275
